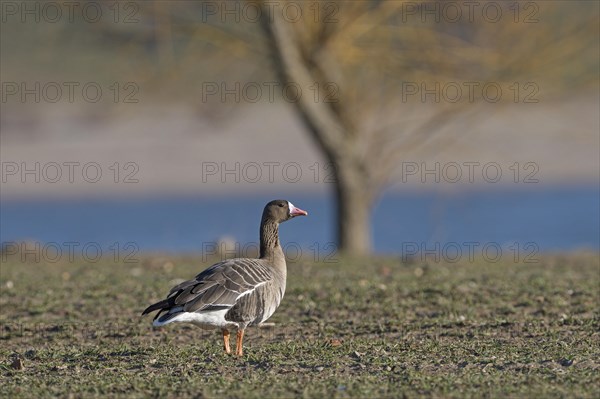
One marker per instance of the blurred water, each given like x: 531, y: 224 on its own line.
x: 552, y: 218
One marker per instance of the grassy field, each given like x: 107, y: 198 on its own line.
x: 376, y: 328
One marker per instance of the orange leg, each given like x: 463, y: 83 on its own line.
x: 239, y: 351
x: 226, y: 341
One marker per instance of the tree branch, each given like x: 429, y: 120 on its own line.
x: 322, y: 119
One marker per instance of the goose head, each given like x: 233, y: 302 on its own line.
x: 281, y: 210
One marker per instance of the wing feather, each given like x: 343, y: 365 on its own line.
x: 218, y: 287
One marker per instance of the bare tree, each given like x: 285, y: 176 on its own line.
x: 361, y: 57
x: 334, y: 133
x: 356, y: 53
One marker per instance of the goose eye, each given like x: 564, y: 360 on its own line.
x: 281, y: 205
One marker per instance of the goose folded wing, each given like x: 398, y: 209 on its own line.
x: 220, y: 286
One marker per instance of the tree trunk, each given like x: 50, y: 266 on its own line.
x: 335, y: 135
x: 353, y: 213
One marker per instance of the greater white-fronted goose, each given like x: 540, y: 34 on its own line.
x: 235, y: 293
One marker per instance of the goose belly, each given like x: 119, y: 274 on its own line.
x: 206, y: 320
x: 257, y: 306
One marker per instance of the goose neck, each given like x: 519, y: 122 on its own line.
x: 270, y: 248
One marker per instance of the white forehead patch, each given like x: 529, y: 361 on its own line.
x: 291, y: 207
